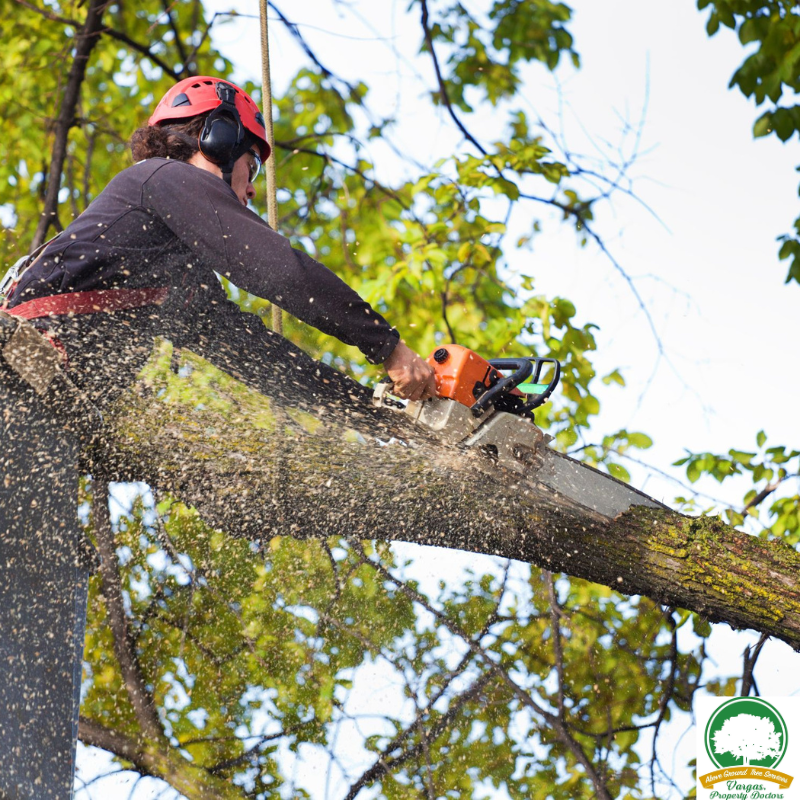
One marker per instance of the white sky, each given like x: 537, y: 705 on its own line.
x: 708, y: 270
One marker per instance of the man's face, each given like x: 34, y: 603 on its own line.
x: 244, y: 173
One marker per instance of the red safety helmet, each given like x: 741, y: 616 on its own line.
x: 193, y: 96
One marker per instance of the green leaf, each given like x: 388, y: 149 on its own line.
x: 702, y: 627
x: 615, y: 377
x: 741, y: 456
x: 619, y: 472
x: 763, y: 125
x: 640, y: 440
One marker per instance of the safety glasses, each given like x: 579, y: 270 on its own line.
x: 255, y: 165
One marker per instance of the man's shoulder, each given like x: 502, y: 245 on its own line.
x: 169, y: 174
x: 142, y: 172
x: 169, y: 168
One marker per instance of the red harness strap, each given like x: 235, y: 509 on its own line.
x: 102, y: 300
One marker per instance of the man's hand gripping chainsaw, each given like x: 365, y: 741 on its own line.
x: 478, y: 406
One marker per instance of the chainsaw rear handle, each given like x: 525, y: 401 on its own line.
x: 524, y: 368
x: 381, y: 396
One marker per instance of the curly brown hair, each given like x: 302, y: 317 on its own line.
x: 177, y: 140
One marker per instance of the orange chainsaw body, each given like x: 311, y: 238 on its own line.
x: 459, y: 371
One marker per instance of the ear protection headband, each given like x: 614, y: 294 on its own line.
x: 223, y: 138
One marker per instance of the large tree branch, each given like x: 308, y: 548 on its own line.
x: 328, y: 472
x: 93, y: 734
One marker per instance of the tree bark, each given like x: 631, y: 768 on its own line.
x: 300, y: 462
x: 86, y: 38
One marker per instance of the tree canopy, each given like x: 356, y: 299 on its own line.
x: 254, y: 653
x: 769, y: 75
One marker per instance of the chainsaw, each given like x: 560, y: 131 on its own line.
x: 488, y: 406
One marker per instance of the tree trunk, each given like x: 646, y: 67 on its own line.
x: 308, y: 456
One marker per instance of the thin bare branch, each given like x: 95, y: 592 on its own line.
x: 87, y: 167
x: 555, y: 625
x: 174, y: 28
x: 86, y: 37
x: 764, y: 493
x: 576, y: 212
x: 238, y: 761
x: 47, y: 14
x: 497, y: 669
x: 141, y: 700
x: 384, y: 765
x: 355, y: 170
x: 666, y: 695
x: 146, y: 51
x: 750, y: 656
x: 294, y: 30
x: 440, y: 80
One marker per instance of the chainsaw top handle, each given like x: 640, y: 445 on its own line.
x: 538, y: 366
x: 524, y: 368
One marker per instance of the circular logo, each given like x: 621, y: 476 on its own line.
x: 746, y: 731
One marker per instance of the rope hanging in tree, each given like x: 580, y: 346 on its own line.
x: 266, y: 102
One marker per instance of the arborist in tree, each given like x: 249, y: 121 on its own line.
x: 140, y: 262
x: 157, y: 233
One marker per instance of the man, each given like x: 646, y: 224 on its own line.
x: 163, y: 227
x: 140, y: 262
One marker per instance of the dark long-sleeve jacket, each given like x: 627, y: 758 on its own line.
x: 164, y: 223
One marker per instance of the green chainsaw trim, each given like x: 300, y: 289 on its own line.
x: 533, y: 388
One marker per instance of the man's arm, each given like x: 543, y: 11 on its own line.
x: 206, y: 215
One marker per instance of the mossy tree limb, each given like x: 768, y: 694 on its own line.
x: 260, y: 466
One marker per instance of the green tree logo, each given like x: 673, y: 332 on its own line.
x: 746, y: 731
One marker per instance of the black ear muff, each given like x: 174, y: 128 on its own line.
x: 219, y: 138
x: 223, y: 136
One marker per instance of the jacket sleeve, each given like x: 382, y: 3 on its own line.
x: 204, y: 212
